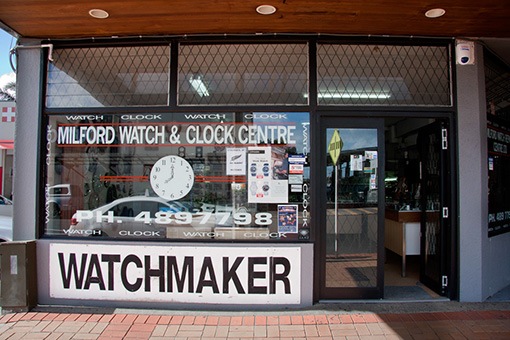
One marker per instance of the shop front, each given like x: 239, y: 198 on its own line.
x: 248, y: 173
x: 231, y: 190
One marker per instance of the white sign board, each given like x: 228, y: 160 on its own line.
x: 211, y: 275
x: 236, y: 161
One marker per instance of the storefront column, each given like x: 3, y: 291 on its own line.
x: 28, y: 88
x: 472, y: 124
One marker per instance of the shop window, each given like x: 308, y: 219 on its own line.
x: 179, y: 176
x: 108, y: 76
x: 497, y: 87
x: 383, y: 75
x: 246, y: 74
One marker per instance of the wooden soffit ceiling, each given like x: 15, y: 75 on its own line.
x: 57, y: 19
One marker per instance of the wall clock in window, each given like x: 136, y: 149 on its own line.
x: 172, y: 177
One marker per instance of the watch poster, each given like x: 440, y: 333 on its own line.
x: 262, y: 188
x: 287, y: 218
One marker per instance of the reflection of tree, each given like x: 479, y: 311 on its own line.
x: 240, y: 194
x: 8, y: 91
x: 354, y: 188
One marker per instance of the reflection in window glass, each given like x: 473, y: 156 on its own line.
x: 218, y: 176
x: 356, y: 166
x: 245, y: 74
x: 383, y: 75
x: 351, y: 207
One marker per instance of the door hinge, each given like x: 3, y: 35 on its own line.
x: 444, y: 281
x: 445, y: 212
x: 444, y: 139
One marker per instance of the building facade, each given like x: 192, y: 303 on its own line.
x: 259, y: 172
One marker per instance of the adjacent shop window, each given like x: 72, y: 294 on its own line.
x: 246, y: 74
x: 497, y: 82
x: 383, y: 75
x: 188, y: 176
x: 108, y: 76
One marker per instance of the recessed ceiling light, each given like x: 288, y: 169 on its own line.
x: 266, y: 9
x: 99, y: 13
x: 435, y: 13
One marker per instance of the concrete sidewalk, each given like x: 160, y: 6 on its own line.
x: 445, y: 320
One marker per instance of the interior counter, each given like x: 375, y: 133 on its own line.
x: 402, y: 233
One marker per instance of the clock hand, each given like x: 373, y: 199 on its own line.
x: 172, y: 174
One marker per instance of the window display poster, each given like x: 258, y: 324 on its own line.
x: 280, y: 161
x: 295, y: 179
x: 236, y: 161
x: 373, y: 181
x: 370, y: 154
x: 287, y: 218
x: 296, y: 164
x: 261, y: 186
x: 296, y: 188
x: 356, y: 163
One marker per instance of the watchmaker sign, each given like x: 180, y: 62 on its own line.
x: 233, y: 275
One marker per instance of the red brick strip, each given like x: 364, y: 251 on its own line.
x: 319, y: 319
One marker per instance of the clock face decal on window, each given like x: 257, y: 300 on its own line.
x: 172, y: 177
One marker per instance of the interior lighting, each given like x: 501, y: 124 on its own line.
x: 355, y: 95
x: 199, y: 86
x: 352, y: 95
x: 266, y: 9
x: 435, y: 13
x: 98, y: 13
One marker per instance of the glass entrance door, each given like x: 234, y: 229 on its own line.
x: 352, y: 208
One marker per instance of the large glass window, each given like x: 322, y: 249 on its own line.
x: 190, y: 176
x: 497, y: 87
x: 135, y: 171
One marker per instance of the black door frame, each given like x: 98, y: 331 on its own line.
x: 333, y: 121
x: 451, y: 251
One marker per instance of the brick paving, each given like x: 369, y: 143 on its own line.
x: 474, y: 324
